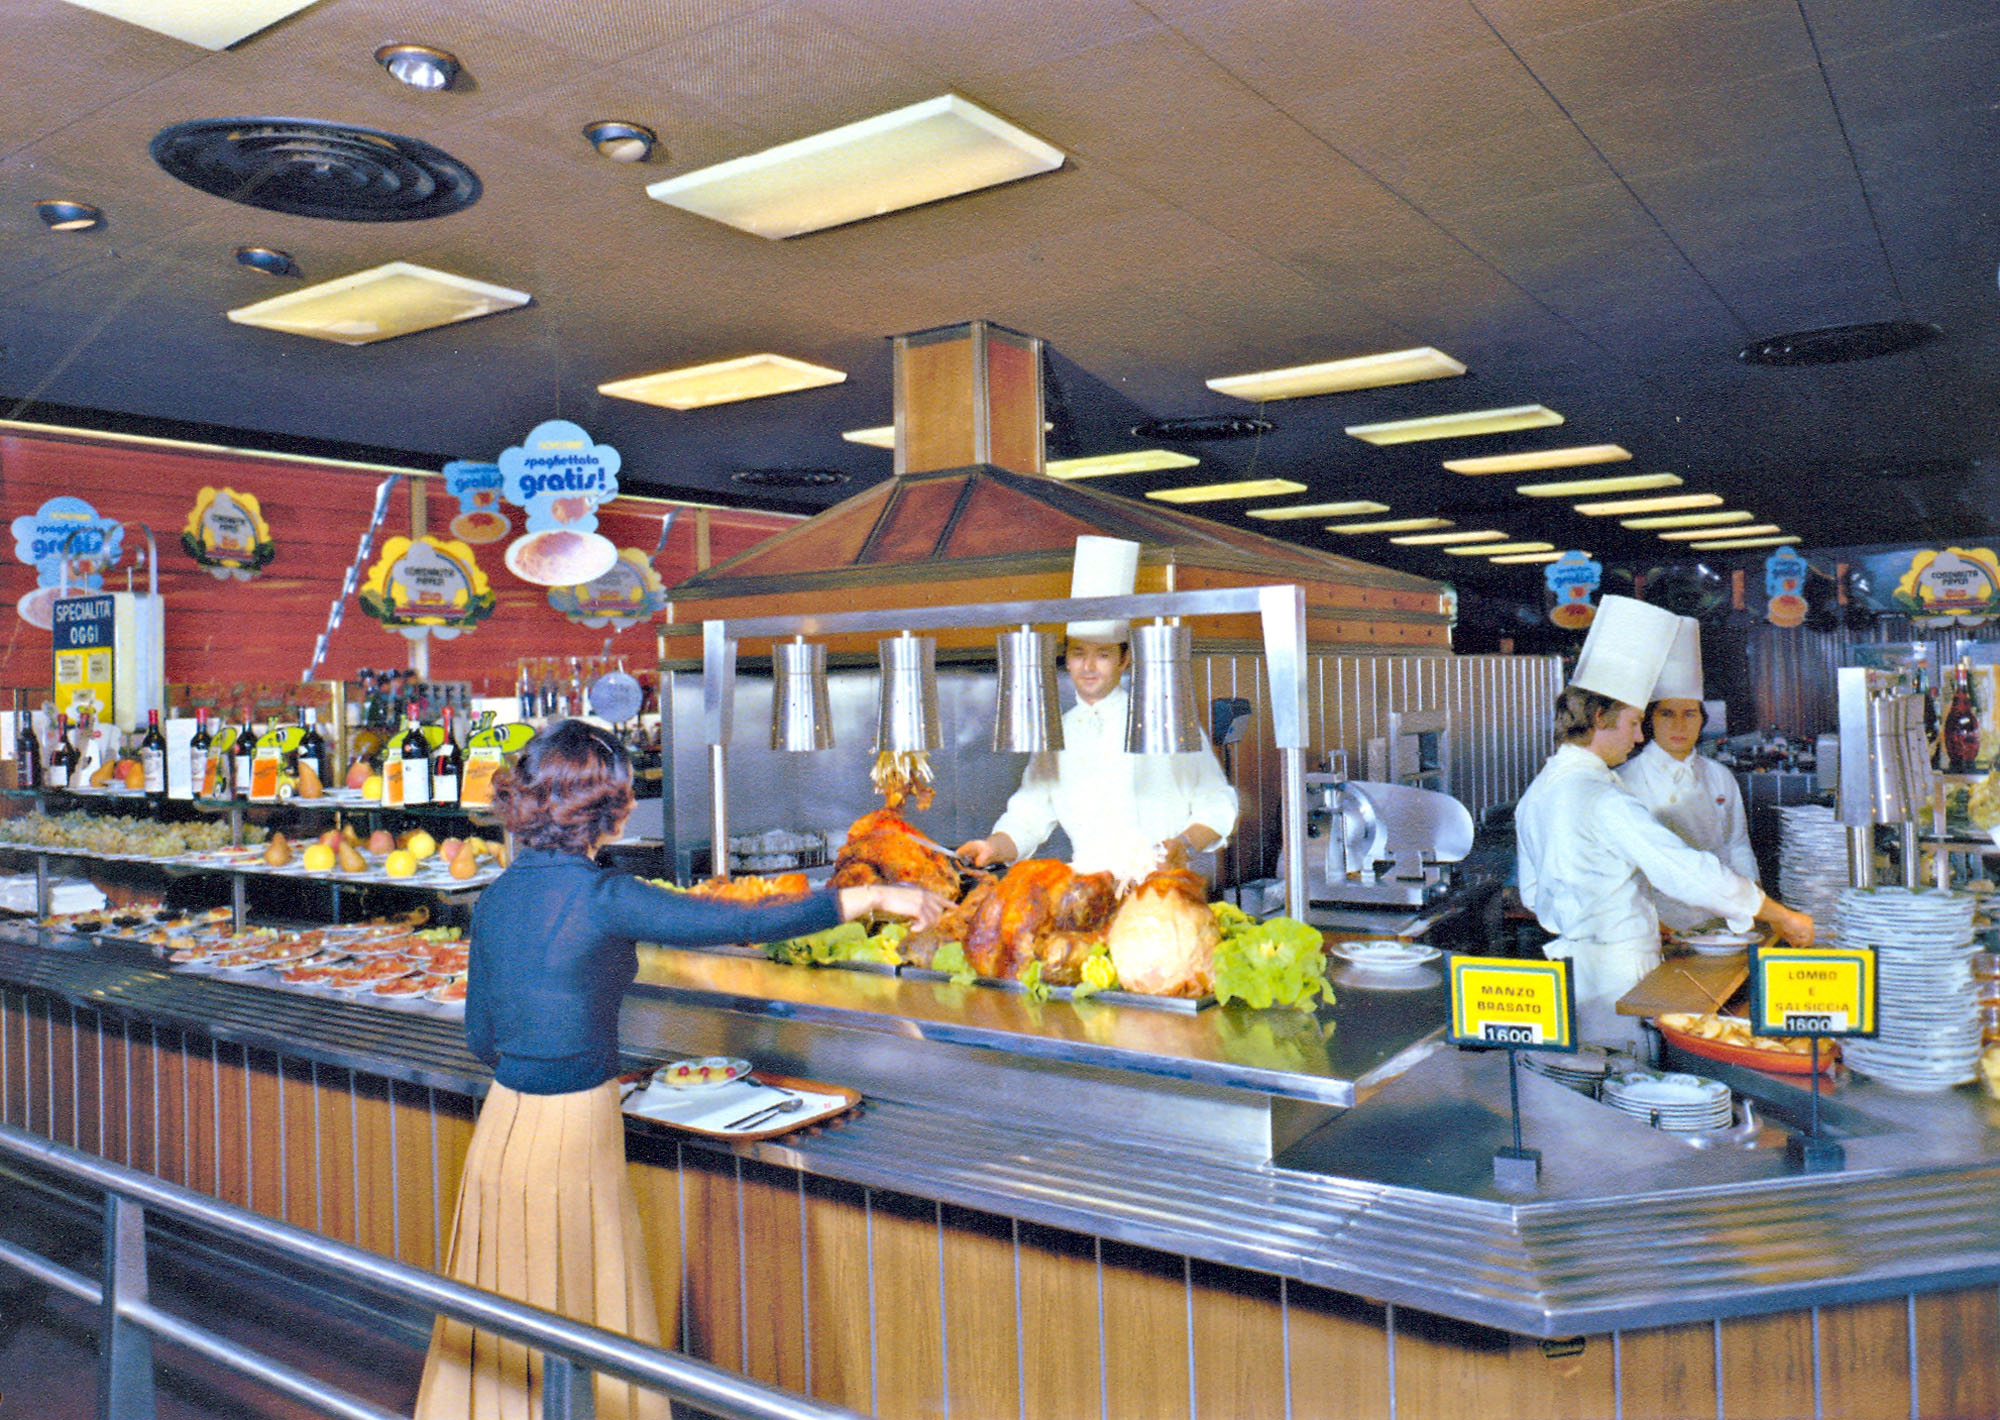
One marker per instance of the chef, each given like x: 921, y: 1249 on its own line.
x: 1588, y: 850
x: 1122, y: 811
x: 1692, y: 795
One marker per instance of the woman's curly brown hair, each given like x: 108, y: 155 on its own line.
x: 571, y: 787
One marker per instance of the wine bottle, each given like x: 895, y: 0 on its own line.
x: 416, y: 754
x: 243, y: 756
x: 1961, y: 724
x: 312, y: 748
x: 198, y: 750
x: 153, y: 757
x: 62, y: 756
x: 447, y: 768
x: 28, y: 772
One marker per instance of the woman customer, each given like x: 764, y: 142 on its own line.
x: 545, y: 1213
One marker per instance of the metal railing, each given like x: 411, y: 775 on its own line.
x: 572, y: 1352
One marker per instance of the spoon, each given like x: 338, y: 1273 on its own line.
x: 767, y: 1113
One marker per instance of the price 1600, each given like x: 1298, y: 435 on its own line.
x: 1815, y: 1022
x: 1498, y: 1033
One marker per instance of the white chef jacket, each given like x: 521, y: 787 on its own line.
x: 1587, y: 851
x: 1699, y: 800
x: 1117, y: 807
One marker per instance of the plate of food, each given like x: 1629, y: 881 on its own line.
x: 1728, y: 1039
x: 1385, y: 955
x: 1717, y: 944
x: 703, y: 1074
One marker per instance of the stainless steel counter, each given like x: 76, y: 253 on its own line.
x: 1143, y: 1127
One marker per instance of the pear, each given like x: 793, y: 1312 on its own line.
x: 463, y: 864
x: 278, y: 852
x: 351, y: 861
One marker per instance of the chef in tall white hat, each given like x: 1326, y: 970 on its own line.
x: 1122, y: 811
x: 1691, y: 794
x: 1590, y: 855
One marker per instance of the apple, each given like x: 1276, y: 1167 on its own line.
x: 330, y: 840
x: 448, y: 849
x: 381, y: 841
x: 357, y: 774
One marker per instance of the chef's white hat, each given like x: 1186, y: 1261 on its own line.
x: 1628, y: 644
x: 1680, y: 677
x: 1104, y: 567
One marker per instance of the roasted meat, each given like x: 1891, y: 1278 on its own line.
x: 1041, y: 911
x: 749, y: 888
x: 1164, y: 937
x: 882, y: 848
x: 899, y: 777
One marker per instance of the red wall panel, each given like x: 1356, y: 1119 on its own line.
x: 264, y: 630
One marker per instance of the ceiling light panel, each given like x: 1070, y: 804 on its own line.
x: 1132, y: 461
x: 1494, y: 549
x: 724, y: 382
x: 211, y: 24
x: 1575, y: 457
x: 1221, y: 492
x: 942, y: 147
x: 1730, y: 544
x: 1393, y: 525
x: 1457, y: 426
x: 1686, y: 520
x: 1352, y: 509
x: 1584, y: 487
x: 397, y: 298
x: 1441, y: 539
x: 1649, y: 505
x: 1752, y: 530
x: 1363, y: 372
x: 1522, y: 557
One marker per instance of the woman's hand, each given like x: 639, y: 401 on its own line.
x: 921, y: 906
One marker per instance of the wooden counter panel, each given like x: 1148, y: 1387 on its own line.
x: 652, y: 1168
x: 62, y: 1073
x: 1668, y: 1373
x: 1445, y: 1366
x: 415, y: 1177
x: 170, y: 1107
x: 906, y: 1305
x: 774, y: 1281
x: 1957, y: 1342
x: 1147, y: 1349
x: 142, y: 1106
x: 263, y: 1089
x: 203, y: 1127
x: 1864, y: 1360
x: 378, y: 1206
x: 1238, y: 1325
x: 298, y: 1123
x: 14, y: 1059
x: 1060, y: 1333
x: 114, y: 1083
x: 1767, y: 1366
x: 836, y: 1253
x: 334, y: 1120
x: 981, y: 1317
x: 1339, y: 1353
x: 714, y: 1258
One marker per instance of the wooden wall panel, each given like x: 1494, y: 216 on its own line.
x: 142, y: 1113
x: 61, y: 1075
x: 836, y: 1248
x: 451, y: 1128
x: 714, y: 1259
x: 1058, y: 1320
x: 87, y: 1037
x: 264, y: 1132
x: 1147, y: 1345
x: 299, y: 1131
x: 377, y: 1212
x: 234, y: 1173
x: 415, y: 1178
x: 774, y: 1285
x: 1864, y: 1360
x: 336, y: 1109
x: 114, y: 1140
x: 1339, y: 1354
x: 905, y: 1306
x: 1668, y: 1372
x: 170, y: 1107
x: 981, y: 1316
x: 1958, y: 1350
x: 1237, y: 1323
x: 204, y: 1127
x: 1767, y: 1367
x: 654, y: 1172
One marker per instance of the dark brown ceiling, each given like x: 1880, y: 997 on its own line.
x: 1593, y: 204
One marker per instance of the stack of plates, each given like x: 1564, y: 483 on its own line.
x: 1583, y: 1072
x: 1681, y: 1103
x: 1929, y: 1013
x: 1812, y: 865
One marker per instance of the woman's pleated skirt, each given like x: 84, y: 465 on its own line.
x: 546, y: 1216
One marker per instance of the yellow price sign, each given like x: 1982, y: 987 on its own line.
x: 1504, y: 1002
x: 1812, y: 991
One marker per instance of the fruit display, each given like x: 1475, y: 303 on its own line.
x: 384, y: 961
x: 143, y: 838
x: 1982, y: 804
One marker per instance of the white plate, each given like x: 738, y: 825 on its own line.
x: 1717, y: 944
x: 707, y: 1073
x: 1386, y: 955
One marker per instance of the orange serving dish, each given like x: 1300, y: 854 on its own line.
x: 1777, y: 1062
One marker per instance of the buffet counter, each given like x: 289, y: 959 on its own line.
x: 1097, y: 1156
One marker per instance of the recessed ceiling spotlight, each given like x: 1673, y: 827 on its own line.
x: 1836, y: 344
x: 62, y: 215
x: 419, y: 65
x: 1203, y: 428
x: 789, y: 477
x: 621, y: 142
x: 268, y: 260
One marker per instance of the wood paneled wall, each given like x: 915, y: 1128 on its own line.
x: 263, y: 631
x: 899, y: 1307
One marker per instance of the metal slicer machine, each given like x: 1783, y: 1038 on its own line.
x: 1387, y: 840
x: 1885, y: 767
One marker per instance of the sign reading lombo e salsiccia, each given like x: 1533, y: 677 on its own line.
x: 1812, y: 991
x: 1502, y: 1003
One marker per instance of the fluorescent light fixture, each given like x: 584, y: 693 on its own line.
x: 1584, y: 487
x: 1494, y: 549
x: 1392, y: 525
x: 1686, y: 520
x: 942, y: 147
x: 1575, y: 457
x: 1444, y: 538
x: 1649, y: 505
x: 1362, y: 372
x: 881, y: 437
x: 396, y: 298
x: 1728, y: 544
x: 1219, y: 492
x: 1457, y: 426
x: 1515, y: 557
x: 210, y: 24
x: 723, y: 382
x: 1132, y: 461
x: 1351, y: 509
x: 1753, y: 530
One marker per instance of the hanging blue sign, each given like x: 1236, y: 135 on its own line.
x: 67, y: 530
x: 1572, y: 579
x: 560, y: 477
x: 478, y: 488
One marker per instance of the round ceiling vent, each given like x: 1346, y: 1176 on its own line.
x: 314, y: 169
x: 788, y: 477
x: 1836, y: 344
x: 1203, y: 428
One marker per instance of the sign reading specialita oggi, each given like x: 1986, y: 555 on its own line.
x: 1504, y: 1003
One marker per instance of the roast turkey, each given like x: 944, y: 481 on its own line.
x: 1163, y: 938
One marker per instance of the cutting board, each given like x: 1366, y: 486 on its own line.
x: 1694, y: 984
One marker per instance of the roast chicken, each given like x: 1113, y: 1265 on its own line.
x: 1164, y: 937
x: 1041, y: 911
x: 881, y: 847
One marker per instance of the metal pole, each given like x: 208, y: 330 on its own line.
x: 718, y: 703
x: 567, y: 1393
x: 125, y: 1365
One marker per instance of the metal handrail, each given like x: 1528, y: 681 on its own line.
x: 572, y: 1351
